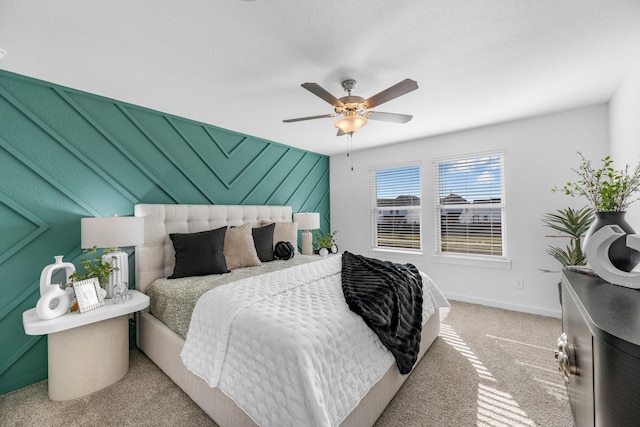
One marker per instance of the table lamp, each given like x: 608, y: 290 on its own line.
x: 113, y: 232
x: 307, y: 221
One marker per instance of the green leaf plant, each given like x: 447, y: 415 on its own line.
x: 325, y: 240
x: 94, y: 267
x: 607, y: 189
x: 572, y: 224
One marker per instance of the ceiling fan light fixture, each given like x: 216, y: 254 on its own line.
x: 355, y: 111
x: 351, y: 124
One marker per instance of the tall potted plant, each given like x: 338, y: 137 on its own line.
x: 610, y: 192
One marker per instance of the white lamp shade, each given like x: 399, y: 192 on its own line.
x: 307, y: 221
x: 351, y: 123
x: 111, y: 232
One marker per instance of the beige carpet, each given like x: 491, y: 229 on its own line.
x: 489, y: 367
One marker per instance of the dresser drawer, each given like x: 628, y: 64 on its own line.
x: 616, y: 386
x: 579, y: 384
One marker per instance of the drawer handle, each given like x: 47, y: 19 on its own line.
x: 566, y: 357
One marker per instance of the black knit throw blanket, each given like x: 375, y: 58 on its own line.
x: 388, y: 297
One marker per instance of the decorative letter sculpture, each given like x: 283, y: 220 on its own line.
x: 597, y: 252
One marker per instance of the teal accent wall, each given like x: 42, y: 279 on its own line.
x: 66, y: 154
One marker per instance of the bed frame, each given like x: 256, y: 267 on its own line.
x: 155, y: 259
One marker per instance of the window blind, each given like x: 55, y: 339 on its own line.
x: 396, y: 207
x: 470, y: 205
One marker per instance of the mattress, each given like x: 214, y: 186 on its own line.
x: 173, y: 300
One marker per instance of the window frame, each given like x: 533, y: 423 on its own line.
x: 376, y: 209
x: 500, y: 260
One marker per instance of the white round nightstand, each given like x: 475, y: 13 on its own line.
x: 87, y: 351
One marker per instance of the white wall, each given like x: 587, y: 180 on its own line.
x: 624, y: 110
x: 540, y: 152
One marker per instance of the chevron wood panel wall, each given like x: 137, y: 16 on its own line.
x: 65, y: 154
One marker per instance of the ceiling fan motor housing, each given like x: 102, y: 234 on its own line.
x: 351, y: 103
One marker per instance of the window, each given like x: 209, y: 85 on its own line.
x: 470, y: 205
x: 396, y: 208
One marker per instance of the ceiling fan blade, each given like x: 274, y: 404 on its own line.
x: 399, y: 89
x: 389, y: 117
x: 340, y: 132
x: 319, y: 91
x: 299, y: 119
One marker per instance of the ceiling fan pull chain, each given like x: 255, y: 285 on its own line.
x: 349, y: 153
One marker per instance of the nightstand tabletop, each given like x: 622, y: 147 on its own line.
x: 34, y: 325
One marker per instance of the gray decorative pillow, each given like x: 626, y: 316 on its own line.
x: 239, y: 249
x: 199, y: 254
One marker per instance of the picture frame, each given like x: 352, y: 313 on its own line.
x: 87, y: 294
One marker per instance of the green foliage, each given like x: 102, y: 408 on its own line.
x: 572, y: 224
x: 606, y: 189
x: 324, y: 240
x: 94, y: 267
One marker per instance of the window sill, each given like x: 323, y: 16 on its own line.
x: 398, y: 252
x: 472, y: 261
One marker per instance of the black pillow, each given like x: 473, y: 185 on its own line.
x: 199, y: 254
x: 284, y: 250
x: 263, y: 241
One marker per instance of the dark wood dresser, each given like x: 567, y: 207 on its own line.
x: 599, y: 351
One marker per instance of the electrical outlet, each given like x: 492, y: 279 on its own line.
x: 519, y: 283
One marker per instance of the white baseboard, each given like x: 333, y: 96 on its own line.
x: 504, y: 305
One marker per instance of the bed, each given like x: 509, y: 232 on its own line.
x: 155, y: 260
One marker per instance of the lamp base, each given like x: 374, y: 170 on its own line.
x: 307, y: 248
x: 120, y: 260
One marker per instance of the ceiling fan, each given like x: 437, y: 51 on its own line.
x: 355, y: 111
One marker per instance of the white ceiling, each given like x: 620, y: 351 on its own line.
x: 239, y: 64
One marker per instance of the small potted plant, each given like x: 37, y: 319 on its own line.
x: 572, y: 224
x: 325, y: 242
x: 94, y: 267
x: 610, y: 192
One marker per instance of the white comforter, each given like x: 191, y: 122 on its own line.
x: 285, y: 346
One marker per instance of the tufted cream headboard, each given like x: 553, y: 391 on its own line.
x: 156, y: 257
